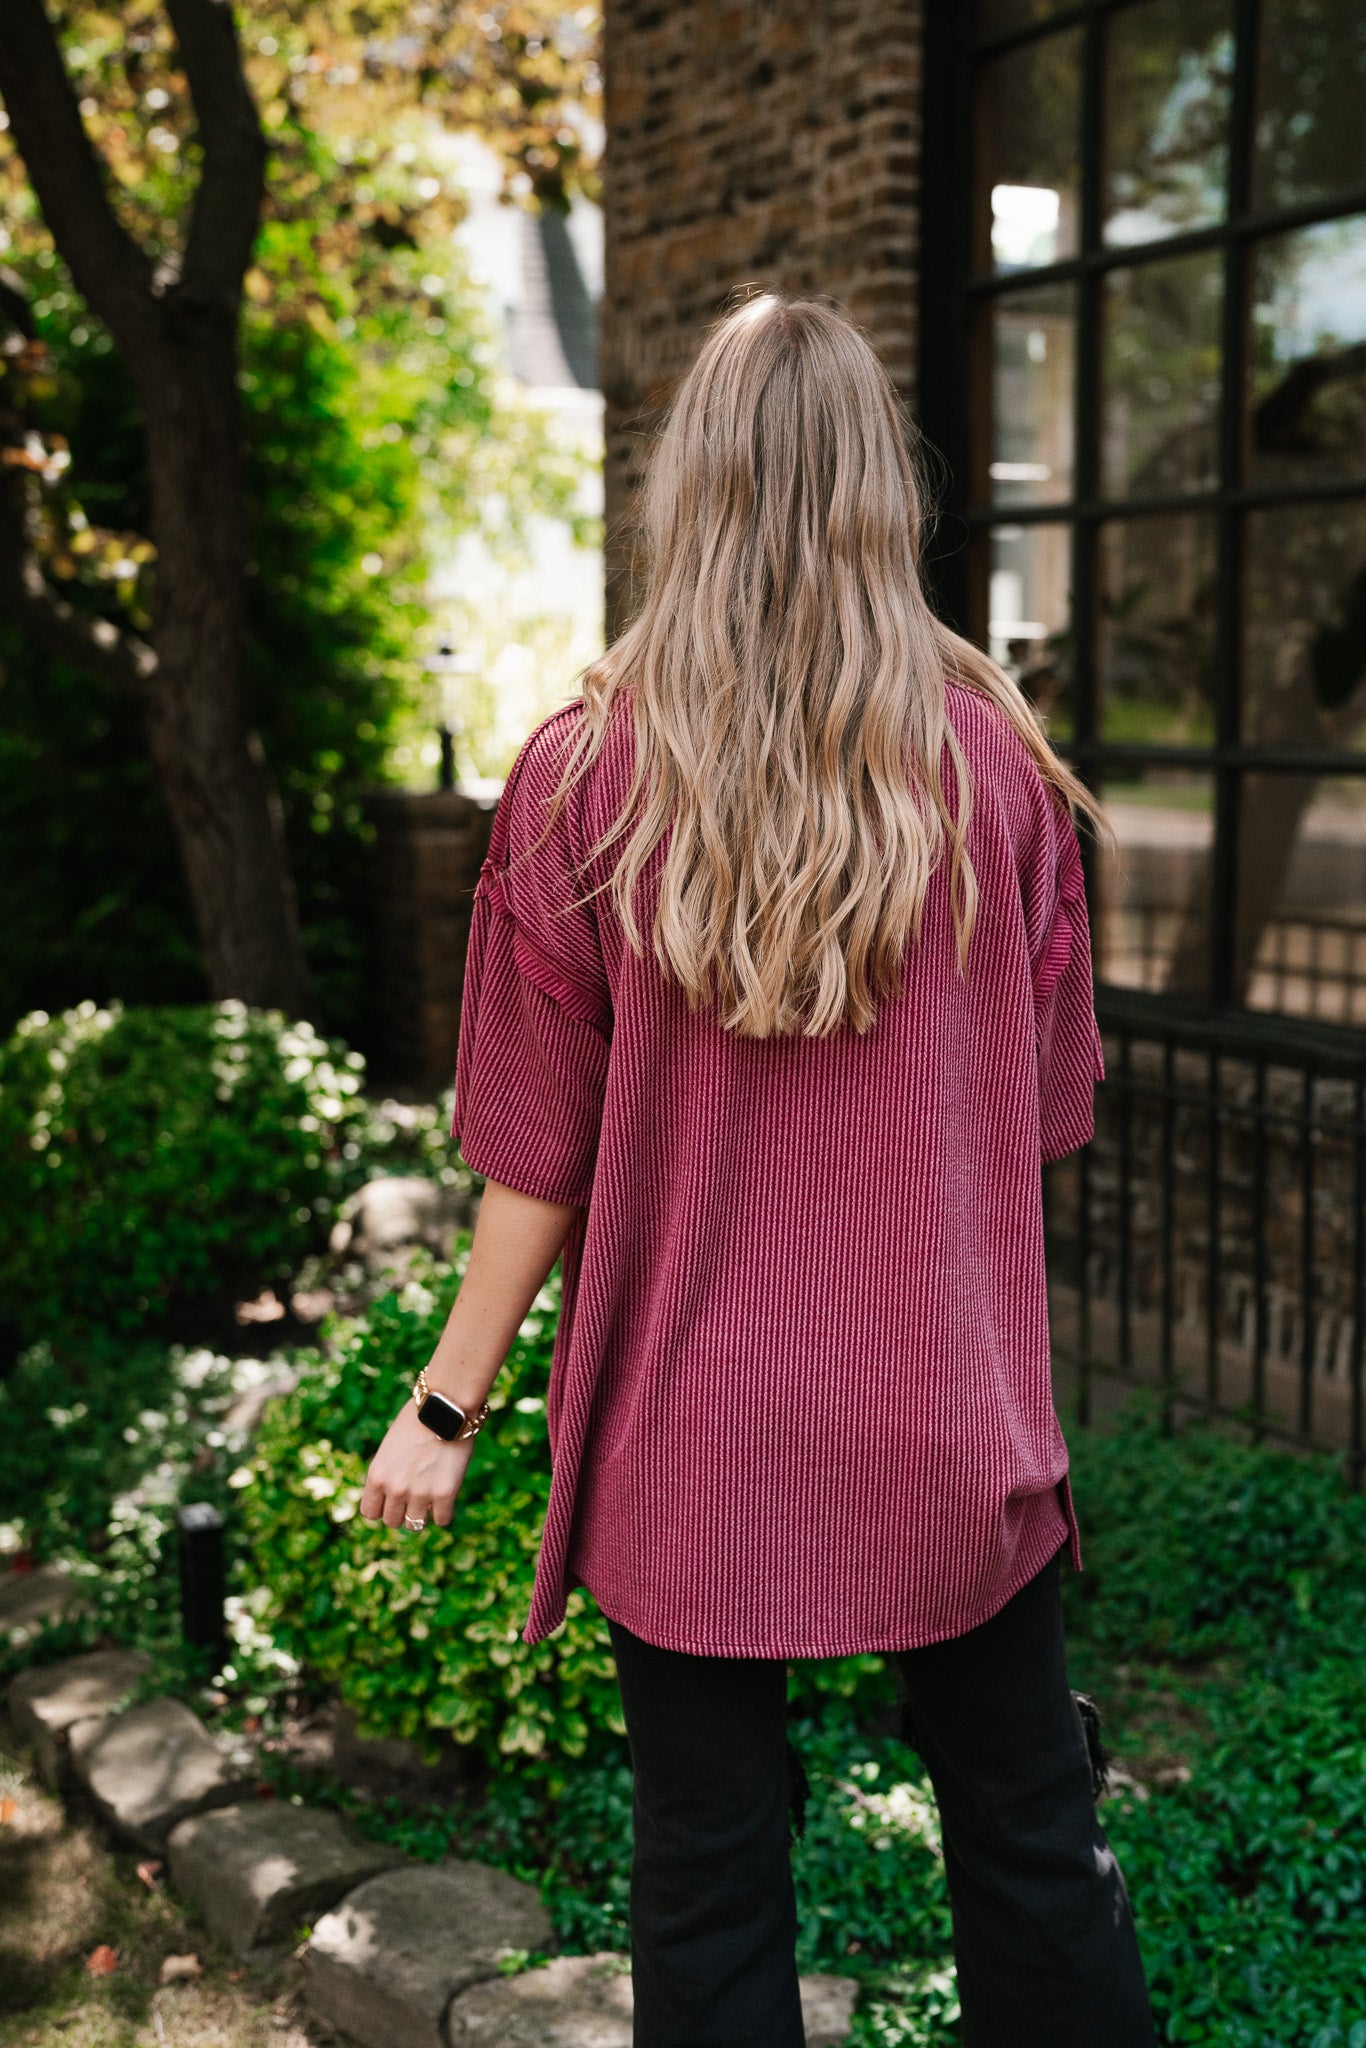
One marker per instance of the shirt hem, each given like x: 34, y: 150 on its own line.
x: 1030, y: 1560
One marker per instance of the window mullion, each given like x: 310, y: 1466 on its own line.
x: 1228, y: 637
x: 1086, y: 439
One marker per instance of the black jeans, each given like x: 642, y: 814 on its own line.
x: 1047, y: 1956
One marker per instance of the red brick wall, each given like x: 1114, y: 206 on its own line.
x: 429, y: 849
x: 761, y: 142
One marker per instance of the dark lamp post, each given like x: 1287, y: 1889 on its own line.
x: 199, y: 1537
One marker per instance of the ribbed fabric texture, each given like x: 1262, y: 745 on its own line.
x: 800, y: 1402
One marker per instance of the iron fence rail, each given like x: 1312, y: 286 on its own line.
x: 1211, y: 1241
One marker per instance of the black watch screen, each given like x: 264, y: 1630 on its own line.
x: 442, y: 1417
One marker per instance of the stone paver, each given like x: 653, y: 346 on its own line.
x: 827, y: 2010
x: 27, y: 1599
x: 574, y: 2002
x: 153, y: 1765
x: 258, y: 1871
x: 45, y: 1702
x: 385, y: 1965
x: 585, y: 2002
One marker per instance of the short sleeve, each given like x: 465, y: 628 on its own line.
x: 536, y: 1017
x: 1069, y: 1048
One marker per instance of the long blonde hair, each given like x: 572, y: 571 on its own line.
x: 786, y: 678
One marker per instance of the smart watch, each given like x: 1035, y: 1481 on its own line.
x: 445, y: 1418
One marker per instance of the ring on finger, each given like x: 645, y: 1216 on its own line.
x: 415, y: 1524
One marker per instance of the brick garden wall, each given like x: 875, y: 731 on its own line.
x: 429, y: 849
x: 749, y: 142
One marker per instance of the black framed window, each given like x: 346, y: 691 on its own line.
x: 1143, y: 346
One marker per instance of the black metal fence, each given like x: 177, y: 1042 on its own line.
x: 1211, y: 1241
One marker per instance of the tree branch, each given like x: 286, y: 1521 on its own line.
x: 226, y: 214
x: 110, y: 270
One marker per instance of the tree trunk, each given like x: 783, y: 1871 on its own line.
x: 213, y: 772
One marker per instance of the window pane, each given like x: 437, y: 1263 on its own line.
x: 1029, y: 614
x: 1304, y: 572
x: 995, y: 17
x: 1157, y: 619
x: 1168, y: 79
x: 1308, y: 381
x: 1160, y: 376
x: 1301, y: 935
x: 1311, y: 101
x: 1029, y: 124
x: 1033, y: 357
x: 1152, y: 905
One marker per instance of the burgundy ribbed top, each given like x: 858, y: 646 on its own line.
x: 800, y: 1402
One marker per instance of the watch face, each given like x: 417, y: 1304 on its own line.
x: 442, y: 1415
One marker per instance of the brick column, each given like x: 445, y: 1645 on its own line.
x: 427, y: 860
x: 749, y: 142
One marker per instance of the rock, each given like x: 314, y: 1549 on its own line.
x: 574, y: 2002
x: 179, y: 1969
x: 28, y: 1599
x: 258, y: 1870
x: 828, y: 2010
x: 46, y: 1702
x: 386, y: 1964
x: 585, y: 2002
x: 154, y: 1764
x: 395, y: 1211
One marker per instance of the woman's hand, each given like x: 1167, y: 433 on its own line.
x: 413, y: 1474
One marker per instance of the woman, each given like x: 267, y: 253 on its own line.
x: 779, y: 990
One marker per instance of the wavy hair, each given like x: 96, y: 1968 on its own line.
x: 786, y: 680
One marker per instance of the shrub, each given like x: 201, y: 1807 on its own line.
x: 1227, y: 1583
x: 413, y: 1138
x: 153, y: 1161
x: 1195, y: 1544
x: 1248, y: 1879
x: 423, y: 1636
x: 101, y: 1448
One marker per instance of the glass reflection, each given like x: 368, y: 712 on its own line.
x: 1304, y: 649
x: 1033, y: 375
x: 1307, y: 387
x: 1029, y: 121
x: 1029, y: 615
x: 1300, y: 939
x: 1168, y: 78
x: 1160, y: 376
x: 1301, y: 931
x: 1152, y: 904
x: 1311, y: 101
x: 1157, y: 623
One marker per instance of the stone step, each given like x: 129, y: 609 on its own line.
x: 585, y: 2002
x: 261, y: 1870
x: 827, y: 2009
x: 49, y: 1700
x: 574, y: 2002
x: 28, y: 1599
x: 153, y: 1765
x: 385, y: 1965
